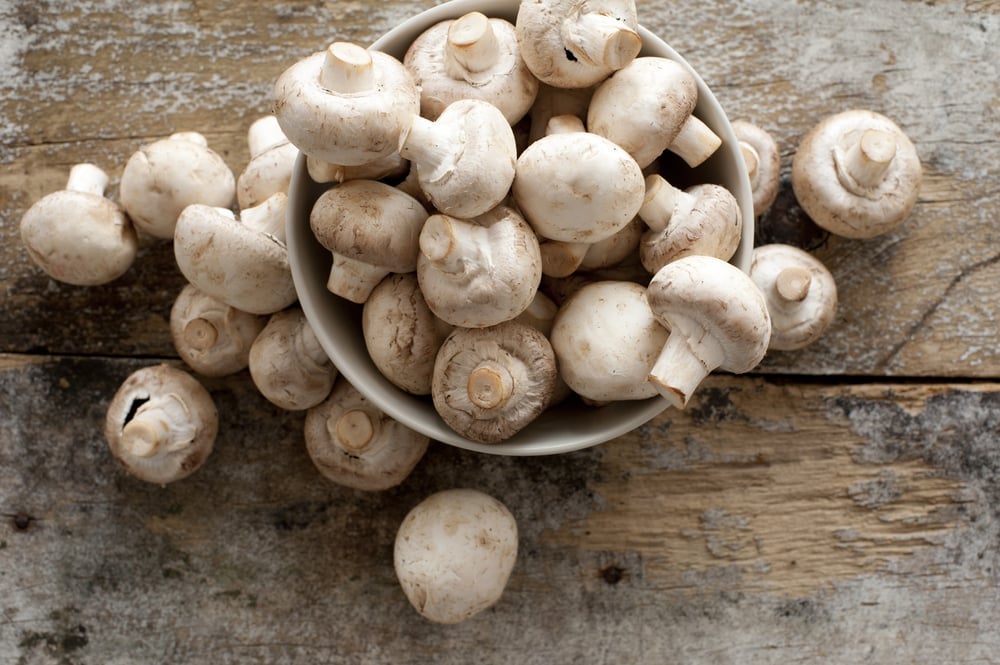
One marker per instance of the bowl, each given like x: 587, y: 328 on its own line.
x: 337, y: 322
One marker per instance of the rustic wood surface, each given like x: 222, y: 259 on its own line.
x: 839, y: 505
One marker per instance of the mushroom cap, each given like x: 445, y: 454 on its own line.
x: 765, y: 176
x: 506, y: 82
x: 162, y: 178
x: 232, y: 261
x: 454, y: 553
x: 616, y: 248
x: 577, y: 187
x: 836, y: 201
x: 155, y: 390
x: 79, y: 238
x: 213, y: 338
x: 489, y: 383
x: 345, y: 128
x: 355, y: 444
x: 268, y: 173
x: 800, y: 291
x: 712, y: 226
x: 606, y: 340
x: 643, y: 106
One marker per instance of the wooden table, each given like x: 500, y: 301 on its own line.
x: 839, y: 505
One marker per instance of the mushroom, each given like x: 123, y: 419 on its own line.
x: 384, y: 167
x: 454, y: 553
x: 464, y: 159
x: 717, y: 318
x: 472, y: 57
x: 288, y: 365
x: 703, y: 219
x: 646, y: 107
x: 162, y: 178
x: 345, y: 105
x: 478, y: 272
x: 800, y: 292
x: 161, y: 424
x: 763, y: 161
x: 606, y: 340
x: 572, y: 44
x: 355, y: 444
x: 212, y: 337
x: 856, y: 174
x: 272, y: 158
x: 402, y: 334
x: 77, y: 235
x: 241, y: 261
x: 551, y: 102
x: 490, y: 383
x: 614, y: 249
x: 372, y: 229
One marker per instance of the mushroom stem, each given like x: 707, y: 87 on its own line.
x: 162, y: 421
x: 431, y: 145
x: 751, y: 158
x: 449, y: 242
x: 88, y: 179
x: 347, y: 68
x: 561, y: 259
x: 564, y: 124
x: 600, y: 39
x: 264, y: 133
x: 864, y: 164
x: 662, y: 202
x: 267, y: 217
x: 353, y: 279
x: 695, y: 143
x: 201, y: 333
x: 356, y: 430
x: 490, y: 385
x: 686, y: 359
x: 793, y: 283
x: 472, y: 46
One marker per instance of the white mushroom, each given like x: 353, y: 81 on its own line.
x: 384, y: 167
x: 287, y: 364
x: 162, y: 178
x: 551, y: 102
x: 490, y: 383
x: 372, y: 229
x: 646, y: 107
x: 355, y: 444
x: 801, y: 294
x: 161, y: 424
x: 763, y: 161
x: 272, y: 158
x: 856, y: 174
x: 464, y: 159
x: 454, y: 553
x: 241, y: 261
x: 213, y: 338
x: 717, y: 318
x: 573, y: 44
x: 472, y: 57
x: 615, y: 249
x: 78, y: 236
x: 345, y: 105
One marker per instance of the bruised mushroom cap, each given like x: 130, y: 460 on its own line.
x: 372, y: 229
x: 161, y: 424
x: 272, y: 158
x: 572, y: 44
x: 717, y: 318
x: 763, y: 161
x: 162, y: 178
x: 287, y: 364
x: 856, y: 174
x: 213, y: 338
x: 801, y: 294
x: 606, y: 340
x: 472, y: 57
x: 76, y: 235
x: 242, y: 262
x: 454, y: 553
x: 490, y: 383
x: 345, y: 105
x: 402, y: 334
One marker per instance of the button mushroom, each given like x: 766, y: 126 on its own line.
x: 345, y: 105
x: 269, y: 171
x: 287, y: 364
x: 478, y: 272
x: 161, y: 424
x: 647, y: 107
x: 77, y: 236
x: 490, y: 383
x: 213, y: 338
x: 454, y: 553
x: 801, y: 294
x: 472, y: 57
x: 717, y: 318
x: 572, y: 44
x: 162, y: 178
x: 372, y: 229
x: 464, y: 159
x: 856, y: 174
x: 763, y: 161
x: 241, y: 261
x: 356, y: 445
x: 384, y: 167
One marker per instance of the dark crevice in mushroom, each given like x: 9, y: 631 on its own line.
x: 570, y: 56
x: 133, y: 409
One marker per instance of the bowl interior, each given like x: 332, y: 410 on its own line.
x: 337, y: 322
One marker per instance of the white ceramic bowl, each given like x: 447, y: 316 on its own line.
x: 337, y: 322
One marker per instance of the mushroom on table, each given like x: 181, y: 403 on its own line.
x: 272, y: 158
x: 763, y: 162
x: 213, y: 338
